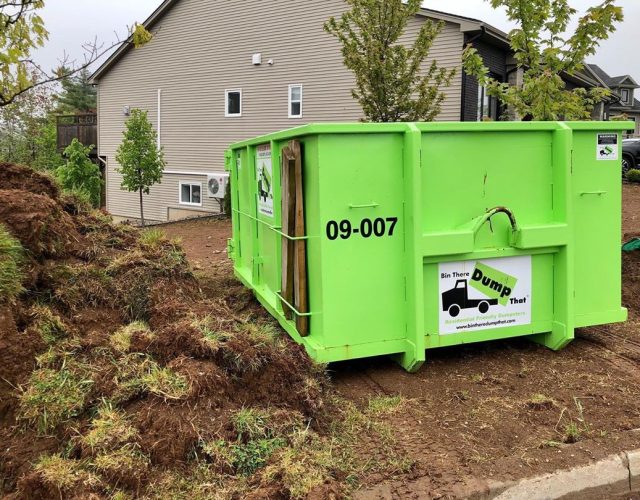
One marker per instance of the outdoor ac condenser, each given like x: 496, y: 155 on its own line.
x: 217, y: 185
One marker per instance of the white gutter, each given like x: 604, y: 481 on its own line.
x: 159, y: 118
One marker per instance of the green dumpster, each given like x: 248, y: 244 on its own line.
x: 391, y: 239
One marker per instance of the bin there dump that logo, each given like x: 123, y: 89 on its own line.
x: 478, y: 295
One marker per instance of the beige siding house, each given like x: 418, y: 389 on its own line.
x: 203, y: 89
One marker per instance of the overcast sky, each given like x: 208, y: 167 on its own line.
x: 72, y: 23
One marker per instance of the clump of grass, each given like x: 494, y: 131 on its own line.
x: 121, y: 339
x: 165, y: 382
x: 138, y: 374
x: 58, y: 353
x: 385, y: 405
x: 633, y: 175
x: 54, y: 396
x: 109, y: 430
x: 64, y: 473
x: 243, y: 458
x: 540, y: 402
x: 127, y: 460
x: 10, y: 259
x: 211, y: 338
x: 81, y: 286
x: 49, y: 325
x: 572, y: 433
x: 153, y: 238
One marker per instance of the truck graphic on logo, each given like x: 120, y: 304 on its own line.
x: 457, y: 299
x: 495, y: 285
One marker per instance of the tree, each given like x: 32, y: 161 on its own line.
x: 79, y: 173
x: 28, y: 130
x: 21, y: 31
x: 392, y: 83
x: 78, y: 95
x: 141, y: 161
x: 544, y: 52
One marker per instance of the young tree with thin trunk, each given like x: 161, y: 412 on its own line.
x: 141, y: 161
x: 543, y: 52
x: 393, y: 82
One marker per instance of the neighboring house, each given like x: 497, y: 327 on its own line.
x: 217, y: 72
x: 624, y: 102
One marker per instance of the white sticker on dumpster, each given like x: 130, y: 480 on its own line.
x: 484, y: 294
x: 607, y: 148
x: 264, y: 178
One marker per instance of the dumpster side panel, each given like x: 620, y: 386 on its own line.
x: 597, y: 203
x: 362, y: 192
x: 466, y: 174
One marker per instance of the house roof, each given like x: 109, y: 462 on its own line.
x: 612, y: 81
x: 466, y: 24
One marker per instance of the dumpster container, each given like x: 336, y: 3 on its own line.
x: 390, y: 239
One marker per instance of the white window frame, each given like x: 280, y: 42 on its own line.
x: 189, y: 183
x: 226, y: 103
x: 291, y: 101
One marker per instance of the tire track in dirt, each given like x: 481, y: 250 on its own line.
x: 619, y: 351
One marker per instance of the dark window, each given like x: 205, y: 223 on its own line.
x: 234, y: 103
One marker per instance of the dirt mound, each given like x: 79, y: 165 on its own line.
x: 119, y: 367
x: 39, y: 223
x: 26, y: 179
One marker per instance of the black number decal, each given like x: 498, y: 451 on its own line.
x: 379, y: 227
x: 366, y: 228
x: 332, y: 230
x: 345, y: 230
x: 393, y: 221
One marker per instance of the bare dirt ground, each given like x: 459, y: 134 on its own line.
x: 500, y: 410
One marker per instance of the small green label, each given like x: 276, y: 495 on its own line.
x: 493, y: 283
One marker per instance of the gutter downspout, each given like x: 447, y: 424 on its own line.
x: 159, y: 119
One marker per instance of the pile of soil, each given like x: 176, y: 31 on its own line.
x: 121, y: 313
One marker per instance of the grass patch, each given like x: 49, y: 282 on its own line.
x: 109, y: 430
x: 541, y: 402
x: 572, y: 433
x: 120, y: 341
x: 243, y: 458
x: 153, y: 238
x: 63, y: 473
x: 127, y: 460
x: 385, y: 405
x: 54, y: 396
x: 49, y: 325
x: 10, y: 259
x: 139, y: 374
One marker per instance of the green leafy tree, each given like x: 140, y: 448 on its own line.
x: 22, y: 30
x: 544, y: 51
x: 393, y: 82
x: 28, y: 130
x: 78, y: 95
x: 141, y: 162
x: 79, y: 173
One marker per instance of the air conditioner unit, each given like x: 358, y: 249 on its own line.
x: 217, y: 185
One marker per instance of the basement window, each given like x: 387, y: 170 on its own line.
x: 233, y: 103
x: 191, y: 193
x: 295, y: 101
